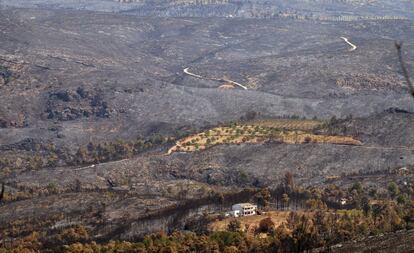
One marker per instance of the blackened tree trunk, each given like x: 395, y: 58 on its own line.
x: 2, y: 192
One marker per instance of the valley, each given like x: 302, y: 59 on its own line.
x: 136, y: 123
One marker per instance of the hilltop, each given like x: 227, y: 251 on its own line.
x: 338, y: 10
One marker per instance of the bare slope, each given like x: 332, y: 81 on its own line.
x: 79, y: 77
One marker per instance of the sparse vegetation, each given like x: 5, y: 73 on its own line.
x: 260, y: 132
x: 234, y: 225
x: 43, y: 156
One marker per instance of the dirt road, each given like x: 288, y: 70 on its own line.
x: 353, y: 47
x: 186, y: 71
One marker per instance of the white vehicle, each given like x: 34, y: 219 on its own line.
x: 233, y: 214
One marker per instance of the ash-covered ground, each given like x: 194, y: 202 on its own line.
x: 69, y: 78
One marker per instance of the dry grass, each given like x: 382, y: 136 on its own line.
x: 298, y: 137
x: 250, y: 222
x: 255, y: 134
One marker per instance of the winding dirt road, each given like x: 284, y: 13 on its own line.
x: 349, y: 43
x: 186, y: 71
x: 192, y: 74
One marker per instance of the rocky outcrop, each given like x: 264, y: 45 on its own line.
x: 65, y: 105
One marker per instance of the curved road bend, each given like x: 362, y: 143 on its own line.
x: 349, y: 43
x: 186, y: 71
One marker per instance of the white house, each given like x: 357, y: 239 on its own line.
x: 244, y: 209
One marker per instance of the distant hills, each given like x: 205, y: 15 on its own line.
x: 340, y: 10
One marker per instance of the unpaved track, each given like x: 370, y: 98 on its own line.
x: 186, y: 71
x: 93, y: 166
x: 192, y: 74
x: 377, y: 147
x: 349, y: 43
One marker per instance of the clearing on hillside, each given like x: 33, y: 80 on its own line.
x: 254, y: 134
x: 250, y: 223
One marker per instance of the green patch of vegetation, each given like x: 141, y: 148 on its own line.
x: 5, y: 74
x: 276, y: 130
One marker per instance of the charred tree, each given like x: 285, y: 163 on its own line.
x: 398, y: 45
x: 2, y: 192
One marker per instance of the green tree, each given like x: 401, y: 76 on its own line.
x: 234, y: 225
x: 356, y: 187
x: 393, y: 189
x: 402, y: 199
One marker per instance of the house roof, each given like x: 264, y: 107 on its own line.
x: 245, y: 205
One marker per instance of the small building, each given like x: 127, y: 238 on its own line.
x: 244, y: 209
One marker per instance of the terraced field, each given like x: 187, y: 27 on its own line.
x: 285, y: 132
x: 290, y: 124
